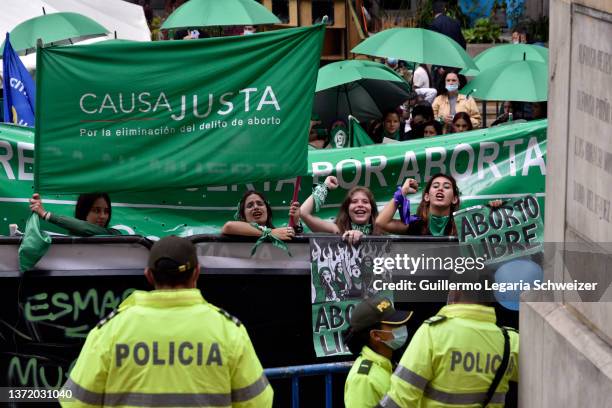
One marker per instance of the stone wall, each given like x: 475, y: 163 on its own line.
x: 566, y: 347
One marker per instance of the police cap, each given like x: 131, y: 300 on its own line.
x: 173, y: 254
x: 376, y: 310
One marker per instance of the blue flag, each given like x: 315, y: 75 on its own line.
x: 19, y: 89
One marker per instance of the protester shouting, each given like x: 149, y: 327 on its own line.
x: 434, y: 215
x: 355, y: 218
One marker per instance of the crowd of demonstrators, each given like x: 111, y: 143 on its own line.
x: 449, y: 101
x: 461, y: 123
x: 520, y: 111
x: 356, y: 216
x: 432, y: 128
x: 390, y: 128
x: 422, y: 113
x: 92, y: 215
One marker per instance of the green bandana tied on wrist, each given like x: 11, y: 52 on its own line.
x: 267, y: 236
x: 437, y: 224
x: 365, y: 228
x: 319, y: 195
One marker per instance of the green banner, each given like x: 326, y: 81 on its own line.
x: 341, y: 276
x: 133, y: 116
x: 505, y: 162
x: 513, y: 230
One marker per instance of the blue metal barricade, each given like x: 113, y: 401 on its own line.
x: 295, y: 372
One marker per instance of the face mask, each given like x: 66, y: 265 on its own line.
x: 452, y: 88
x: 400, y: 335
x: 515, y: 41
x: 248, y: 32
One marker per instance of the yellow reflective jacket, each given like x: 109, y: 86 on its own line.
x: 368, y: 380
x: 451, y: 361
x: 168, y: 348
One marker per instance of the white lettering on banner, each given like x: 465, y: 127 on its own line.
x: 462, y: 147
x: 195, y: 107
x: 224, y: 102
x: 371, y: 168
x: 23, y: 160
x: 17, y: 85
x: 490, y: 159
x: 272, y: 100
x: 121, y: 104
x: 320, y: 170
x: 511, y: 144
x: 538, y: 160
x: 91, y: 103
x: 408, y: 172
x: 4, y: 159
x: 460, y: 165
x: 430, y: 163
x: 339, y: 174
x: 247, y: 93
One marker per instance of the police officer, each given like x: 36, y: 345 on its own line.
x: 376, y: 330
x: 169, y: 347
x: 454, y: 357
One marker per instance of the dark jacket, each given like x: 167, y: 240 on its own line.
x: 450, y: 27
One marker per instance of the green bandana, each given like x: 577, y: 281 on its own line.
x: 319, y: 195
x: 437, y: 224
x: 394, y: 135
x: 267, y: 236
x: 365, y: 228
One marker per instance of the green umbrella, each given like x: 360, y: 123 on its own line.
x: 204, y: 13
x: 523, y: 81
x: 56, y: 28
x: 502, y: 54
x: 416, y: 45
x: 361, y: 88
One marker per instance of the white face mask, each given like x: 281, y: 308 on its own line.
x: 452, y: 87
x: 248, y: 32
x: 515, y: 41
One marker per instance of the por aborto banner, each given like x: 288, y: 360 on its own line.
x: 506, y: 162
x: 133, y: 116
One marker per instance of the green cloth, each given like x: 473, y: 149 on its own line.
x: 364, y: 390
x: 394, y: 135
x: 319, y: 195
x: 34, y: 245
x: 437, y: 224
x: 366, y: 228
x: 267, y: 236
x: 80, y: 228
x: 358, y: 136
x: 255, y: 91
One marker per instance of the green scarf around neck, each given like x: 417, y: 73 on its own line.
x: 437, y: 224
x: 394, y: 135
x: 365, y: 228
